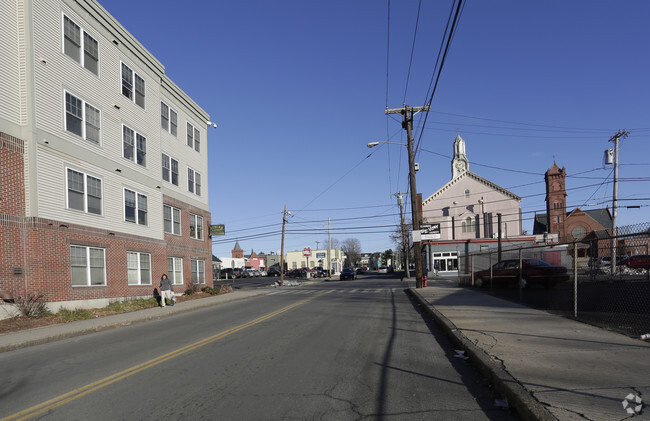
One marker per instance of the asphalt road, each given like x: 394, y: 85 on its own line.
x: 334, y: 351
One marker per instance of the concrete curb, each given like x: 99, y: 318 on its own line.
x: 526, y: 406
x: 45, y: 334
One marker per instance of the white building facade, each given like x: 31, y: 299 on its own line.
x: 296, y: 259
x: 111, y: 157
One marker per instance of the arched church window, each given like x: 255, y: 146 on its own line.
x: 467, y: 194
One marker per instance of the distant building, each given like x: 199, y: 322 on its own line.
x: 296, y: 260
x: 569, y: 225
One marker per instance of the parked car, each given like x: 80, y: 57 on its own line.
x: 382, y: 269
x: 597, y: 262
x: 297, y: 273
x: 263, y: 273
x: 640, y: 261
x: 348, y: 273
x: 534, y: 272
x: 273, y: 272
x: 359, y: 270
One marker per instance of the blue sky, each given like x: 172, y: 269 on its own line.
x: 298, y: 88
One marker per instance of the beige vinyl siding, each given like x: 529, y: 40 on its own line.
x: 52, y: 197
x: 12, y: 64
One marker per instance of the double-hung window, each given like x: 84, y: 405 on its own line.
x: 139, y: 268
x: 132, y: 85
x: 168, y: 119
x: 175, y: 270
x: 82, y: 118
x: 196, y: 226
x: 88, y: 266
x: 170, y: 169
x: 172, y: 217
x: 193, y: 137
x: 134, y: 146
x: 135, y: 207
x: 198, y: 271
x: 193, y: 182
x: 76, y: 40
x: 84, y: 192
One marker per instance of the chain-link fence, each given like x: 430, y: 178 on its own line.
x: 601, y: 280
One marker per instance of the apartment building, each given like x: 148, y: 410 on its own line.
x: 103, y: 161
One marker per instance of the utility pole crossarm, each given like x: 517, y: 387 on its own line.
x: 402, y: 110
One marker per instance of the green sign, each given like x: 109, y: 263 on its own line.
x: 218, y: 229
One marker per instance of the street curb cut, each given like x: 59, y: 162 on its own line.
x: 526, y: 406
x: 107, y: 326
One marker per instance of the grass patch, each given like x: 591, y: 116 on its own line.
x: 74, y: 315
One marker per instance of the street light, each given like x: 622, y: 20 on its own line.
x: 373, y: 144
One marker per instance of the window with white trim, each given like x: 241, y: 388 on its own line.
x: 82, y: 118
x: 84, y: 192
x: 172, y: 217
x: 134, y: 146
x: 169, y: 169
x: 139, y: 268
x: 135, y: 207
x: 196, y: 226
x: 193, y: 181
x: 198, y: 271
x: 132, y: 85
x: 193, y: 137
x: 168, y: 119
x: 175, y: 270
x: 87, y: 265
x: 74, y: 44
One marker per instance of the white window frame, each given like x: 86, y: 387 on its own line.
x: 196, y: 226
x: 85, y: 192
x: 138, y: 269
x: 198, y: 277
x: 84, y: 118
x: 193, y: 137
x: 82, y: 50
x: 175, y: 221
x: 88, y: 266
x: 132, y: 90
x: 193, y: 181
x: 175, y: 261
x: 137, y: 215
x: 168, y: 165
x: 168, y: 119
x: 138, y: 155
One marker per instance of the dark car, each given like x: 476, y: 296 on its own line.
x: 348, y: 273
x: 534, y: 272
x: 640, y: 261
x: 273, y: 272
x: 297, y: 273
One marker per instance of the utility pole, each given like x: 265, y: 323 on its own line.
x: 620, y: 134
x: 404, y: 242
x: 408, y: 113
x: 284, y: 221
x: 317, y: 243
x: 329, y: 247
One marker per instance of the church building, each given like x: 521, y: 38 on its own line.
x: 467, y: 211
x: 569, y: 226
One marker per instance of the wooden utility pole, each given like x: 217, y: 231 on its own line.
x: 403, y: 229
x: 284, y: 222
x: 408, y: 113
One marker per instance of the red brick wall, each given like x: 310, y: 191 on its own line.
x: 40, y: 248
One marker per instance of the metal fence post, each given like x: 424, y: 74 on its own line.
x: 490, y: 257
x: 521, y: 271
x: 575, y: 281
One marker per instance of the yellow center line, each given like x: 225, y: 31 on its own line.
x: 91, y: 387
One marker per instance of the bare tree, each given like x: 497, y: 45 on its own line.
x: 352, y: 249
x: 335, y: 243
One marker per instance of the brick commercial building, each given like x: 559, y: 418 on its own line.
x: 103, y: 161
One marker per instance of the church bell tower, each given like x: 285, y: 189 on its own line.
x: 459, y: 163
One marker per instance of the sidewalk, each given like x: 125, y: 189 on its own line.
x: 546, y: 366
x: 11, y: 341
